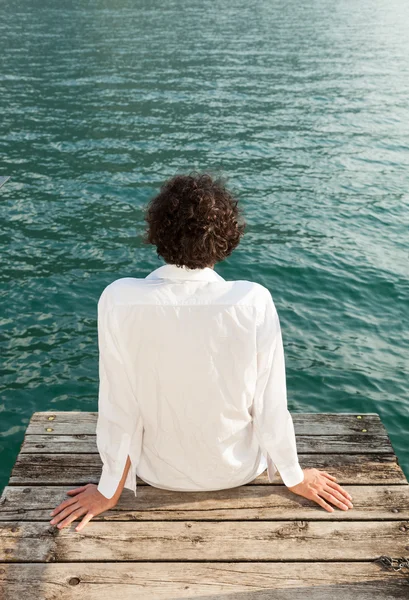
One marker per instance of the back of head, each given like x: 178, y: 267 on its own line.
x: 194, y: 221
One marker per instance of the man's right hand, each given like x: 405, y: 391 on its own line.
x: 320, y: 486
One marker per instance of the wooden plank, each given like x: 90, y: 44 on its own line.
x: 67, y: 423
x: 77, y: 469
x: 63, y: 423
x: 242, y: 503
x: 207, y: 581
x: 201, y: 540
x: 358, y: 443
x: 51, y: 444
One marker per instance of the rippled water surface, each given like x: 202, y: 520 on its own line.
x: 303, y: 105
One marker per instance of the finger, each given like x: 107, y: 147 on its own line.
x: 76, y: 490
x: 65, y: 513
x: 328, y: 475
x: 322, y: 503
x: 335, y: 486
x: 84, y: 521
x: 63, y: 505
x: 339, y: 495
x: 72, y: 517
x: 333, y: 500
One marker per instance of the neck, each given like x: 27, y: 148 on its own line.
x: 210, y: 266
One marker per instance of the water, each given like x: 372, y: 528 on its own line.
x: 302, y: 105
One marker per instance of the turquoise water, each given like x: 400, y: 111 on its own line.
x: 303, y: 105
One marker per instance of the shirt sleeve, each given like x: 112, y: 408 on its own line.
x: 272, y: 421
x: 119, y: 429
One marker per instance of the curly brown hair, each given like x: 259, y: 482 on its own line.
x: 194, y: 221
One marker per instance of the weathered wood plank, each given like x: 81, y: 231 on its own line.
x: 77, y: 469
x: 63, y: 423
x: 67, y: 423
x: 201, y: 540
x: 242, y: 503
x: 57, y: 469
x: 358, y: 443
x: 67, y: 444
x: 207, y: 581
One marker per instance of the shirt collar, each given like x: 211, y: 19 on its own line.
x: 169, y: 271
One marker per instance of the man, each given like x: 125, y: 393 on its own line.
x: 192, y: 389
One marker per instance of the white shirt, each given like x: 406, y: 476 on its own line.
x: 192, y: 383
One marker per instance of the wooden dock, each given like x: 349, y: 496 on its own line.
x: 254, y: 542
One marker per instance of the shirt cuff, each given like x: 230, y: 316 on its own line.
x: 291, y: 475
x: 108, y: 483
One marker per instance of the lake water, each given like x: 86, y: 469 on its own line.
x: 302, y: 105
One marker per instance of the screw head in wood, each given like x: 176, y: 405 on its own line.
x: 49, y: 429
x: 364, y: 430
x: 51, y: 417
x: 395, y: 510
x: 74, y: 581
x: 359, y: 417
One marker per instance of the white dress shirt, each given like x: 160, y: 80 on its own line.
x: 192, y: 383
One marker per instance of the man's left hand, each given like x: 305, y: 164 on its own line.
x: 85, y: 500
